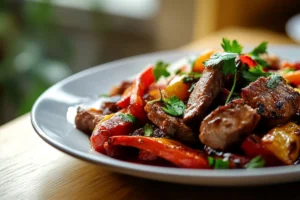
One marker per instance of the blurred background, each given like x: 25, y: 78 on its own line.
x: 42, y: 42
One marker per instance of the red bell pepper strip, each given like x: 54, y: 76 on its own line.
x: 115, y: 125
x: 248, y: 60
x: 170, y: 150
x: 147, y: 156
x: 138, y: 88
x: 253, y: 147
x: 125, y: 98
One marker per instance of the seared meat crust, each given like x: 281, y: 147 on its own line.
x: 276, y: 105
x: 172, y: 126
x: 228, y: 124
x: 86, y: 120
x: 205, y: 91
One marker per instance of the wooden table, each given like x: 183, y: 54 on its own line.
x: 31, y: 169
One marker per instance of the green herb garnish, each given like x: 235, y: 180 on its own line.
x: 221, y: 164
x: 233, y: 47
x: 229, y: 66
x: 274, y: 81
x: 233, y: 87
x: 211, y: 161
x: 160, y: 70
x: 260, y: 61
x: 252, y: 74
x: 148, y: 130
x: 174, y: 106
x: 220, y: 57
x: 231, y: 55
x: 256, y: 162
x: 127, y: 117
x: 218, y: 163
x: 260, y: 49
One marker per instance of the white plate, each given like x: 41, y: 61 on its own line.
x: 49, y: 120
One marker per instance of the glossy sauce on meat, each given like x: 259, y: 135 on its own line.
x: 205, y: 91
x: 276, y: 105
x: 228, y: 124
x: 172, y: 126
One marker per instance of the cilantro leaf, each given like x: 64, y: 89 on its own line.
x: 221, y: 164
x: 174, y: 106
x: 274, y: 81
x: 233, y: 47
x: 256, y: 162
x: 229, y: 67
x: 260, y: 49
x: 211, y: 161
x: 148, y: 130
x: 218, y: 58
x: 252, y: 74
x: 160, y: 70
x: 233, y: 86
x: 218, y: 163
x: 127, y: 117
x: 260, y: 61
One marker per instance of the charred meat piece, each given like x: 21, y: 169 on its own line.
x: 228, y: 124
x: 205, y: 91
x: 119, y: 90
x: 276, y: 105
x: 109, y: 108
x: 86, y: 120
x: 172, y: 126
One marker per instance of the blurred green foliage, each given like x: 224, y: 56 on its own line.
x: 34, y: 54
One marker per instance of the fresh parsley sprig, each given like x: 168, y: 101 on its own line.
x: 128, y: 117
x: 252, y: 74
x: 260, y: 49
x: 233, y: 47
x: 230, y: 59
x: 218, y: 163
x: 148, y: 130
x: 174, y: 106
x: 160, y: 70
x: 256, y: 162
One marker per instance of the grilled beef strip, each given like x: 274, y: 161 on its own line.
x: 275, y: 105
x: 228, y: 124
x: 204, y: 93
x: 172, y: 126
x: 86, y: 120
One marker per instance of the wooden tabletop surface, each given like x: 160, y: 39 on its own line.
x: 32, y: 169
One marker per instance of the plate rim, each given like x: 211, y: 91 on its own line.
x: 118, y: 165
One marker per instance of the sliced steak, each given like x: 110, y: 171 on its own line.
x: 228, y: 124
x: 86, y: 120
x: 205, y: 91
x: 276, y: 105
x: 172, y: 126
